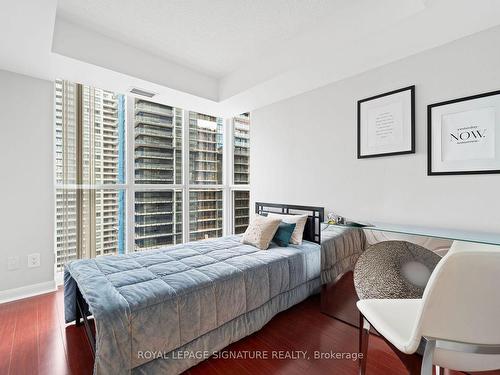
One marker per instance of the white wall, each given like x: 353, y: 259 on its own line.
x: 26, y: 190
x: 304, y: 148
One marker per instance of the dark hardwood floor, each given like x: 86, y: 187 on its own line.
x: 35, y: 340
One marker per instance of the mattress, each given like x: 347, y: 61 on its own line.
x: 160, y: 300
x: 340, y: 249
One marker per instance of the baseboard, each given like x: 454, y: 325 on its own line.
x: 27, y: 291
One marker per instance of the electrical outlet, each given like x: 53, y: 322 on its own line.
x: 34, y: 260
x: 13, y: 263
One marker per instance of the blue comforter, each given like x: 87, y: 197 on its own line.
x: 160, y: 300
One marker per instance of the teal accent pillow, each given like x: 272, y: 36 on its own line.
x: 283, y: 234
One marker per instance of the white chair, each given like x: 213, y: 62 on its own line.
x: 458, y: 315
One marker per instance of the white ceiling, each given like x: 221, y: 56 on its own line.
x: 226, y: 56
x: 214, y: 37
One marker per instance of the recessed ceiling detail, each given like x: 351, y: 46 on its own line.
x: 225, y: 57
x: 214, y: 37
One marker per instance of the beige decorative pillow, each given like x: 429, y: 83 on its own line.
x: 298, y: 220
x: 261, y: 231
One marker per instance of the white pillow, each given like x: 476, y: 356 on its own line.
x: 261, y: 231
x: 298, y: 220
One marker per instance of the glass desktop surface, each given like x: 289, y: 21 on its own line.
x: 450, y: 234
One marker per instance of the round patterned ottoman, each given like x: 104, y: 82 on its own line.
x: 393, y: 269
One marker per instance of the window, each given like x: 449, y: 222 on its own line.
x: 241, y: 150
x: 205, y: 214
x: 205, y: 171
x: 205, y: 149
x: 89, y: 167
x: 158, y: 218
x: 158, y: 143
x: 241, y: 214
x: 241, y: 172
x: 157, y: 161
x: 101, y: 209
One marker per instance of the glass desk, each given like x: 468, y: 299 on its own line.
x: 449, y: 234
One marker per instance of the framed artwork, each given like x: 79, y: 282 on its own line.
x: 386, y: 124
x: 463, y: 135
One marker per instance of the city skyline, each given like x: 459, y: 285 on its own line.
x: 90, y: 150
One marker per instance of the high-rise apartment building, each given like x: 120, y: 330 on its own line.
x: 241, y: 206
x: 241, y: 171
x: 158, y: 160
x: 158, y: 143
x: 242, y: 149
x: 89, y: 151
x: 205, y: 166
x: 158, y: 218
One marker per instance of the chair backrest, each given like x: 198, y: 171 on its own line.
x: 461, y: 301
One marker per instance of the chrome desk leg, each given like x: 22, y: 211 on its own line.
x: 430, y: 346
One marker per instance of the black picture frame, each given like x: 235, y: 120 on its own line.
x: 411, y: 89
x: 430, y: 107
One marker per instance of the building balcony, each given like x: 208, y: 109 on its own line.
x: 202, y: 218
x: 207, y: 150
x: 209, y: 141
x: 204, y: 230
x: 149, y: 180
x: 148, y: 153
x: 153, y: 143
x: 241, y: 211
x: 154, y: 224
x: 206, y: 161
x: 241, y: 217
x: 202, y: 130
x: 206, y: 170
x: 150, y: 213
x: 241, y: 144
x: 153, y: 173
x: 204, y: 210
x: 154, y: 166
x: 242, y: 152
x: 245, y: 198
x: 141, y: 119
x: 207, y: 181
x: 154, y: 109
x: 153, y: 235
x: 153, y: 201
x: 241, y: 135
x: 163, y: 133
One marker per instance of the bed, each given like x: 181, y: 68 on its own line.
x: 163, y: 311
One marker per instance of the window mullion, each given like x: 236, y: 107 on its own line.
x: 240, y: 188
x: 228, y: 176
x: 185, y: 176
x: 130, y: 176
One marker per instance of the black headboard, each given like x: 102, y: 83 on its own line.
x: 316, y: 215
